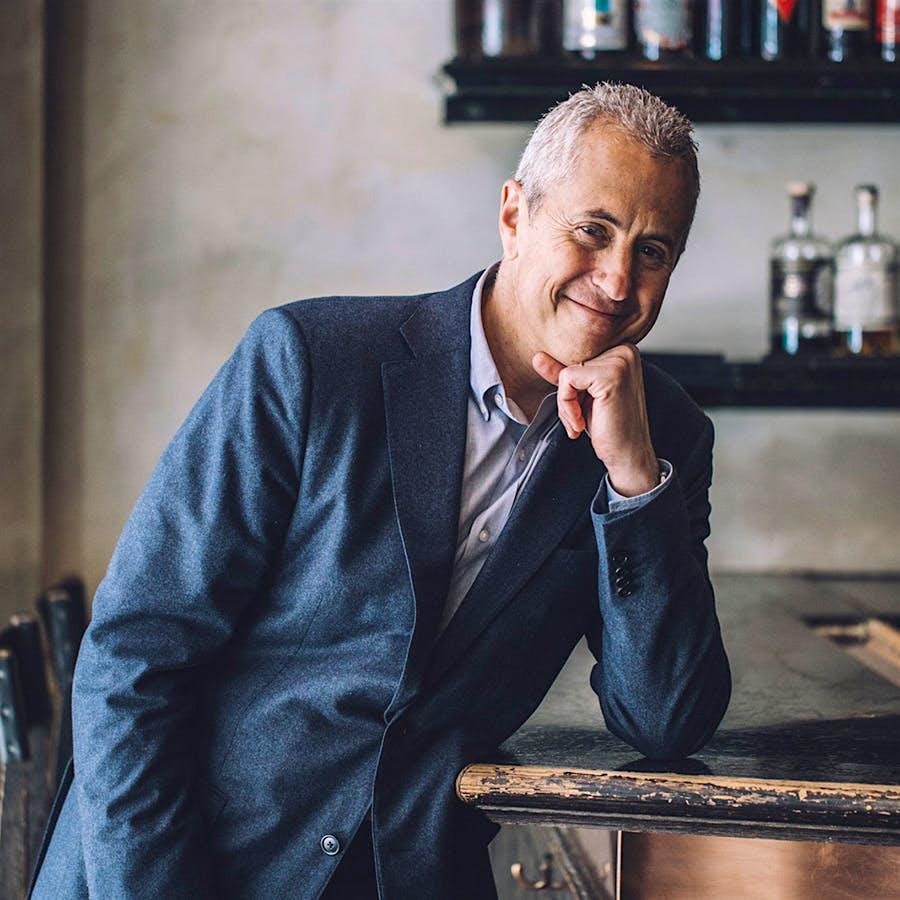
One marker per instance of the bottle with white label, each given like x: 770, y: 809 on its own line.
x: 865, y: 299
x: 595, y: 27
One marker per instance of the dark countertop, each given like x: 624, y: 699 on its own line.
x: 808, y: 749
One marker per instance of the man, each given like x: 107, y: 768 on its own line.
x: 373, y: 544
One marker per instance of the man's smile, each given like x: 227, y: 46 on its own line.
x: 593, y: 309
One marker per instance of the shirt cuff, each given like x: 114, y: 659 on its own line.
x: 617, y: 501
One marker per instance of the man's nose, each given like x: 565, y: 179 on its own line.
x: 612, y: 273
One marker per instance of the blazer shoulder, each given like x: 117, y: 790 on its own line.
x: 348, y: 326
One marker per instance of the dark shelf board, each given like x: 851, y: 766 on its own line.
x: 521, y: 89
x: 713, y: 381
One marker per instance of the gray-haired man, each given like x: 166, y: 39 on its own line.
x: 371, y: 547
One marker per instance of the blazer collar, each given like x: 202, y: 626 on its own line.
x: 425, y: 400
x: 440, y: 324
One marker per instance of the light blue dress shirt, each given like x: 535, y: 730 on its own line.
x: 502, y: 449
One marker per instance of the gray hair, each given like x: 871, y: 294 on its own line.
x: 551, y: 152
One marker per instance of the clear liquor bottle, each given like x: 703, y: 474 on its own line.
x: 865, y: 308
x: 802, y: 277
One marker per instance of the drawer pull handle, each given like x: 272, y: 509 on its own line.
x: 544, y: 883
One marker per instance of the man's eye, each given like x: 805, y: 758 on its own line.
x: 591, y: 231
x: 652, y: 252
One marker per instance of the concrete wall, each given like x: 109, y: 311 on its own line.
x: 21, y: 135
x: 236, y: 156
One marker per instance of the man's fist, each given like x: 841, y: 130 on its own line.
x: 605, y: 397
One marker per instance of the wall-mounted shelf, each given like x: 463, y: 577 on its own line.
x: 521, y: 89
x: 713, y: 381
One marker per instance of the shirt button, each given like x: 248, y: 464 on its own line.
x: 499, y: 398
x: 330, y: 844
x: 522, y: 455
x: 484, y: 535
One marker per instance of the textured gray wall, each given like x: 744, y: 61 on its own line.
x: 21, y: 81
x: 240, y: 155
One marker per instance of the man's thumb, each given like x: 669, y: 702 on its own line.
x: 547, y: 367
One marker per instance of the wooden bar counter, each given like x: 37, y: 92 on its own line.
x: 806, y: 763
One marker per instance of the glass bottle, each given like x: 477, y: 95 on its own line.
x: 747, y: 32
x: 479, y: 26
x: 718, y: 34
x: 664, y: 28
x: 596, y: 26
x: 802, y: 266
x: 847, y: 29
x: 865, y: 302
x: 887, y: 29
x: 785, y: 28
x: 491, y: 28
x: 547, y: 27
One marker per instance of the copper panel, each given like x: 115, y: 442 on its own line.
x: 690, y: 867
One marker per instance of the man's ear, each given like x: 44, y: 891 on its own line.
x: 513, y: 212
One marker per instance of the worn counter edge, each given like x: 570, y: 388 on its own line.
x: 838, y: 834
x: 872, y: 811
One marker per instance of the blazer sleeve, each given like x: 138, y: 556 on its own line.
x: 192, y: 556
x: 662, y: 675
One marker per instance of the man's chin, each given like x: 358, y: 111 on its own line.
x: 594, y: 334
x: 572, y: 357
x: 581, y: 351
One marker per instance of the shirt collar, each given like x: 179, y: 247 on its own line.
x: 483, y: 375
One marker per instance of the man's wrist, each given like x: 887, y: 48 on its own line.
x: 631, y: 483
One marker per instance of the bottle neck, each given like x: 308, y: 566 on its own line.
x: 865, y: 212
x: 800, y: 218
x: 800, y: 226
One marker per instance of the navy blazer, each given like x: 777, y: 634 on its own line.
x: 261, y: 667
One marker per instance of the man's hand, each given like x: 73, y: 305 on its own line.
x: 605, y: 397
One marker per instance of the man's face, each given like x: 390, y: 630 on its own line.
x: 591, y: 269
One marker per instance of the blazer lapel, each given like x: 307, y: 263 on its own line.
x: 560, y: 489
x: 425, y: 408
